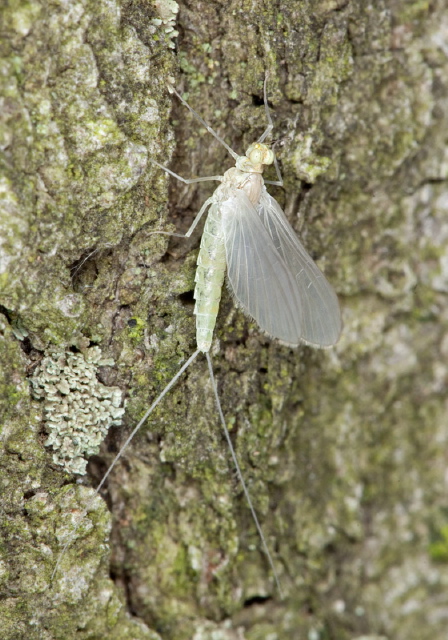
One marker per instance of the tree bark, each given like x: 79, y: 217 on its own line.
x: 344, y: 450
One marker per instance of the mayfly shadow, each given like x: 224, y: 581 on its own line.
x: 272, y: 277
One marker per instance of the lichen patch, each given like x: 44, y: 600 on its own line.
x: 78, y: 409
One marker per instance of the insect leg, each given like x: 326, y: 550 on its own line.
x: 279, y: 182
x: 187, y: 180
x: 240, y: 476
x: 202, y: 121
x: 122, y: 450
x: 270, y: 126
x: 262, y: 138
x: 202, y: 210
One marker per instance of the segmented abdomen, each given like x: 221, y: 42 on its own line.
x: 211, y: 267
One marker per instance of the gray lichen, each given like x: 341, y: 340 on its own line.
x: 167, y: 10
x: 78, y: 409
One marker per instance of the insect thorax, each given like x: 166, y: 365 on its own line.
x: 250, y: 183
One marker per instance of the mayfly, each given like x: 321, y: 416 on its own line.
x: 271, y: 276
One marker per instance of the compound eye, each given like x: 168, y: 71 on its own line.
x: 268, y: 157
x: 256, y: 156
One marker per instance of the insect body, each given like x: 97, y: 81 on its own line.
x: 212, y: 258
x: 270, y: 274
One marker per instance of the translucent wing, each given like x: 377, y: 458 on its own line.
x: 272, y: 276
x: 261, y: 281
x: 320, y: 316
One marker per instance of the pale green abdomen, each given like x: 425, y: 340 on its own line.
x: 211, y: 267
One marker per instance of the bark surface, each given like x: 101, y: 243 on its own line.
x: 344, y: 450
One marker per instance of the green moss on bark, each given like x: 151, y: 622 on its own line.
x: 343, y: 450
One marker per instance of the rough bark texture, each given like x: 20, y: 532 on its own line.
x: 344, y: 451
